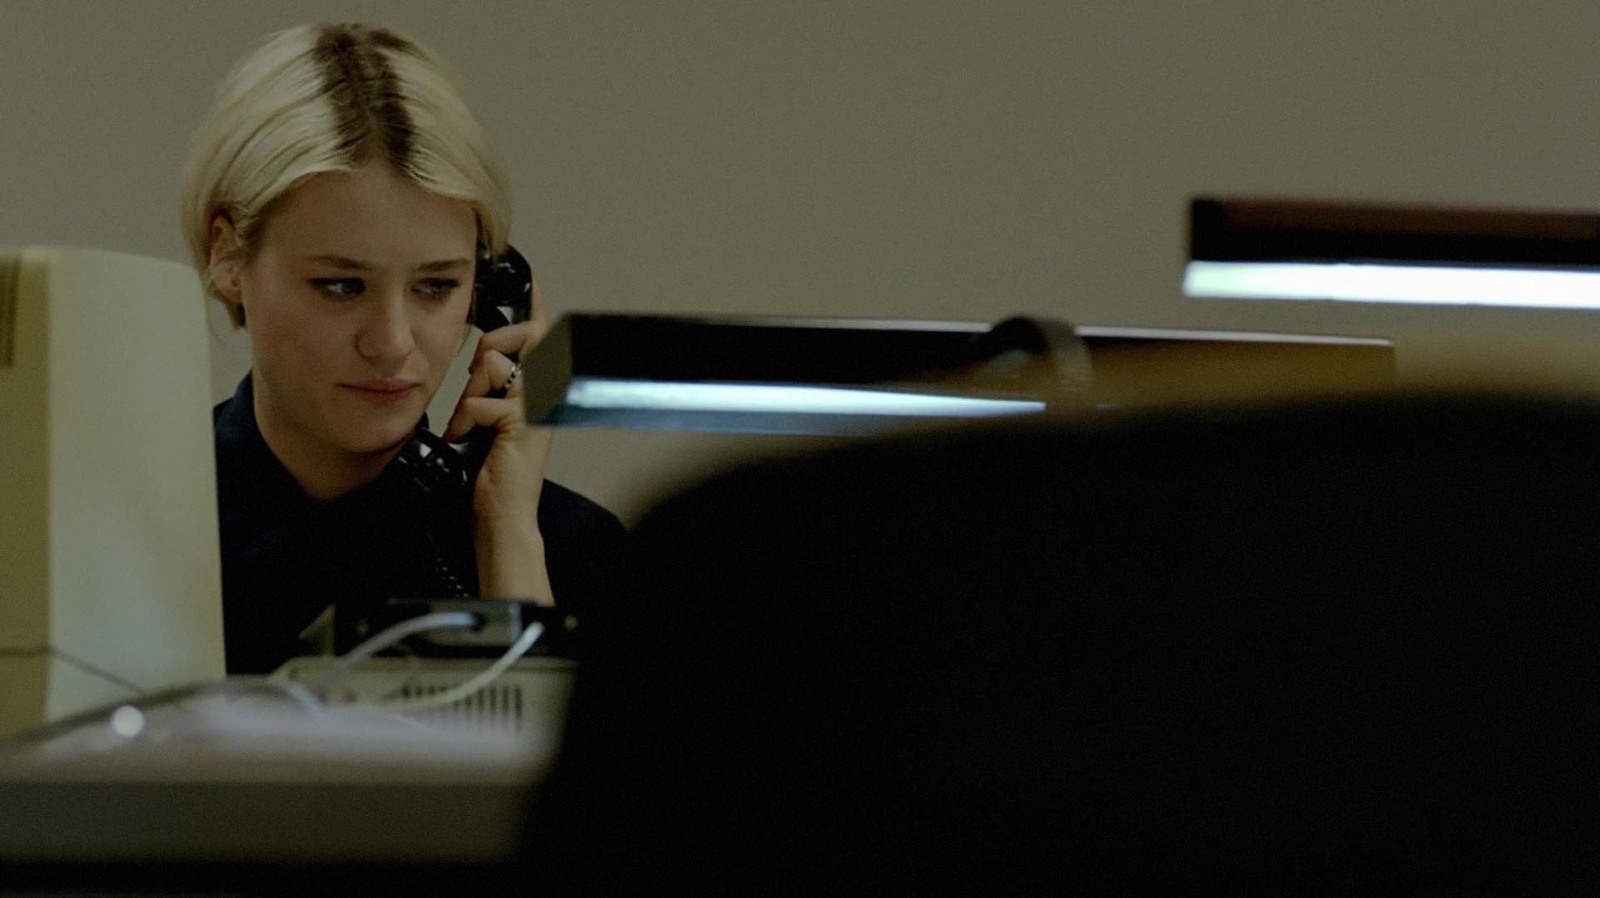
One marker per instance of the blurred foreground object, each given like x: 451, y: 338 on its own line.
x: 1338, y: 644
x: 110, y: 584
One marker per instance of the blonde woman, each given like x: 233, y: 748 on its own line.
x: 337, y: 203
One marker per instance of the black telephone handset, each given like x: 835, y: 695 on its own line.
x: 503, y: 294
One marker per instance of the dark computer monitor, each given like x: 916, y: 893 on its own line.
x: 862, y: 376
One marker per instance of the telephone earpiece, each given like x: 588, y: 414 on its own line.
x: 503, y: 289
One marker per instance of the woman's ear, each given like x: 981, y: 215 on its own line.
x: 223, y: 267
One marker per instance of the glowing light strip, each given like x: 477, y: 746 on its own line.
x: 693, y: 397
x: 1366, y: 282
x: 1170, y: 333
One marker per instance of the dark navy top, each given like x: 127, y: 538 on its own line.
x: 287, y: 557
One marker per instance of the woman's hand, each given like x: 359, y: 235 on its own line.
x: 505, y: 498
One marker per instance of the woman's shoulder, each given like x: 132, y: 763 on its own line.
x: 566, y: 511
x: 233, y: 423
x: 584, y: 545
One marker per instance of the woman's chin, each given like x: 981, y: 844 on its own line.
x: 378, y: 442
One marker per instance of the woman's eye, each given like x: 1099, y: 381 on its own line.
x: 339, y: 287
x: 438, y: 287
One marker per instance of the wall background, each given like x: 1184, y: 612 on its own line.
x: 937, y: 159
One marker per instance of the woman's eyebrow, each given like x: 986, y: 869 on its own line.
x: 445, y: 265
x: 345, y: 263
x: 341, y: 262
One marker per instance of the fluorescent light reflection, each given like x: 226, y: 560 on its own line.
x: 1365, y: 282
x: 757, y: 398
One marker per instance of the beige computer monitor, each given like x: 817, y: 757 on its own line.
x: 110, y: 579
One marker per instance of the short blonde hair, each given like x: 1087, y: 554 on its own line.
x: 321, y: 98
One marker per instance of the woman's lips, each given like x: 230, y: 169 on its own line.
x: 382, y: 391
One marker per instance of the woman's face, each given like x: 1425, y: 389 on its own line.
x: 356, y: 301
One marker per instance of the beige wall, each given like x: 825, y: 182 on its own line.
x: 939, y: 158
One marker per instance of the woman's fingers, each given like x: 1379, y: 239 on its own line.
x: 500, y: 413
x: 489, y: 373
x: 483, y: 404
x: 512, y: 338
x: 480, y: 405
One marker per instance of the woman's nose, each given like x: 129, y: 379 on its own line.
x: 385, y: 330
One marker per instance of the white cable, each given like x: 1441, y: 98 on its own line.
x: 530, y: 635
x: 283, y: 687
x: 390, y: 636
